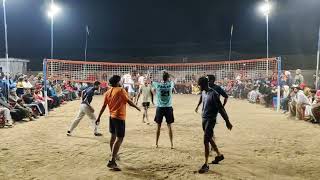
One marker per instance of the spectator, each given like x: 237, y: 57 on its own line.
x: 289, y: 80
x: 302, y: 101
x: 31, y: 102
x: 6, y: 112
x: 53, y: 95
x: 298, y: 79
x: 316, y: 108
x: 253, y: 95
x: 103, y: 87
x: 285, y: 98
x: 61, y: 96
x: 20, y: 88
x: 38, y: 97
x: 26, y: 83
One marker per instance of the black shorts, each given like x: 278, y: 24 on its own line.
x: 117, y: 127
x: 146, y: 104
x: 207, y: 126
x: 166, y: 112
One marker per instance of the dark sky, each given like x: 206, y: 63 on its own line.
x: 126, y: 29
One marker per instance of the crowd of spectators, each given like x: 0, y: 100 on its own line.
x: 22, y: 97
x: 298, y: 100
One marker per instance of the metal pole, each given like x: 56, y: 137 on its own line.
x: 52, y: 37
x: 85, y: 53
x: 318, y: 56
x: 86, y: 47
x: 6, y: 44
x: 279, y: 76
x: 45, y: 86
x: 229, y: 66
x: 267, y: 21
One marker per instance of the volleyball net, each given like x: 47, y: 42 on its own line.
x: 182, y: 73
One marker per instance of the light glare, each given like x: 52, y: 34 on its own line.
x: 53, y: 10
x: 265, y: 8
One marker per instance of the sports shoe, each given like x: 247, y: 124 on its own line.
x: 68, y: 133
x: 97, y: 134
x: 113, y: 166
x: 9, y: 125
x: 204, y: 169
x: 217, y: 159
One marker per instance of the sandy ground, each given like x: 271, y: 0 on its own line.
x: 262, y: 145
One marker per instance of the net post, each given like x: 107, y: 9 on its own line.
x: 45, y: 86
x: 278, y: 79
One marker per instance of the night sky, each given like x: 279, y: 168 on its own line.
x: 136, y: 30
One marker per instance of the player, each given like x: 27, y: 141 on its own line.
x: 219, y: 90
x: 86, y: 109
x: 116, y: 98
x: 211, y: 107
x: 147, y: 94
x: 128, y: 84
x: 141, y: 80
x: 164, y: 105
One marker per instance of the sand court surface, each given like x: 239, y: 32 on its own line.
x: 263, y: 145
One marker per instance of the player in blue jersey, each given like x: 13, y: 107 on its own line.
x: 164, y: 105
x: 86, y: 109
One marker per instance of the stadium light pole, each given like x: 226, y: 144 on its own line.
x: 318, y: 58
x: 265, y: 9
x: 52, y: 12
x: 6, y: 46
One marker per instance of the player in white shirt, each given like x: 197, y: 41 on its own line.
x: 128, y: 85
x: 141, y: 80
x: 147, y: 96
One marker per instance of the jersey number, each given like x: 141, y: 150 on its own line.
x: 165, y: 93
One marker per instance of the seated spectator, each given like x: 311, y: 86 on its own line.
x: 18, y: 104
x: 7, y: 110
x: 103, y: 87
x: 61, y: 96
x: 38, y: 97
x: 70, y: 89
x: 316, y: 108
x: 285, y: 98
x: 53, y: 95
x: 26, y: 83
x: 292, y: 102
x: 31, y: 102
x: 302, y: 101
x: 268, y: 95
x: 7, y: 116
x: 20, y: 88
x: 253, y: 95
x: 288, y: 78
x: 308, y: 109
x: 298, y: 79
